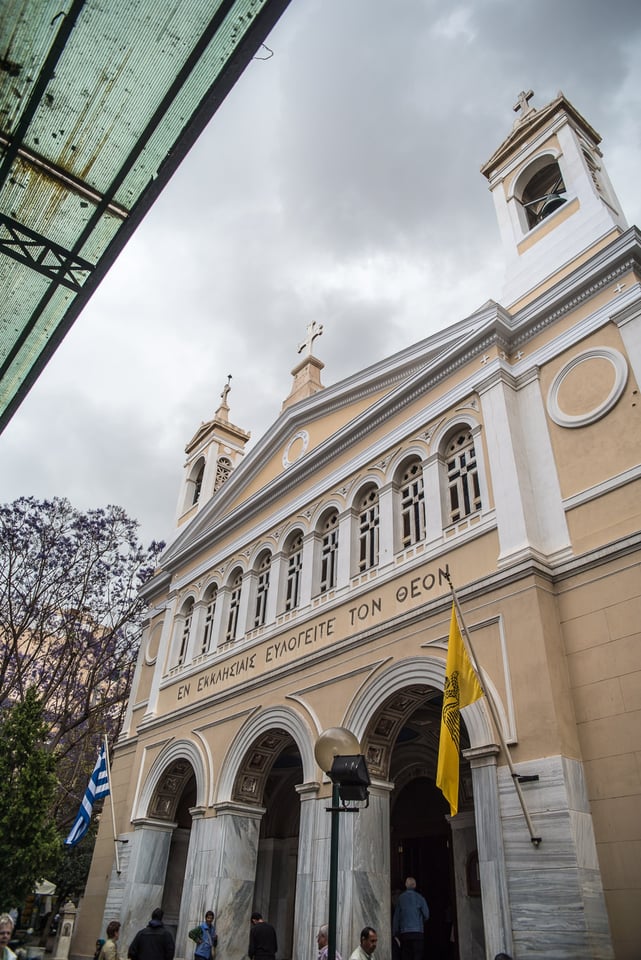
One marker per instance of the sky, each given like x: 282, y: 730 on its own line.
x: 339, y: 182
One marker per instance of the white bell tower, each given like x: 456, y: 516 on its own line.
x: 553, y: 198
x: 212, y: 453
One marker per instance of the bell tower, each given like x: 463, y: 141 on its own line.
x: 212, y: 453
x: 553, y: 198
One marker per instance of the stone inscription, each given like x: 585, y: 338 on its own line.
x: 371, y: 610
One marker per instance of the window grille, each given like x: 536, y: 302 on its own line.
x: 209, y: 620
x: 462, y: 477
x: 262, y: 589
x: 329, y: 553
x: 223, y: 469
x: 294, y: 569
x: 368, y: 530
x: 234, y: 607
x: 412, y: 498
x: 184, y: 637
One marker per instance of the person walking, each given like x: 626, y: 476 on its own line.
x: 262, y: 939
x: 109, y: 949
x: 153, y: 942
x: 408, y: 926
x: 322, y: 939
x: 369, y: 939
x: 206, y: 947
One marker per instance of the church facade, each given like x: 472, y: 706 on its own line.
x: 308, y: 588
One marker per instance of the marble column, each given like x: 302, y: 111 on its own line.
x: 233, y: 853
x: 469, y: 913
x: 364, y: 896
x: 194, y: 901
x: 148, y: 856
x: 313, y: 842
x: 492, y: 870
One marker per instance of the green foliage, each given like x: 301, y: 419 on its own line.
x: 73, y: 867
x: 30, y: 843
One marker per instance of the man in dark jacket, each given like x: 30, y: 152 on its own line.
x: 262, y: 939
x: 153, y: 942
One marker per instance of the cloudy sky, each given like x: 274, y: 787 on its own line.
x: 339, y: 182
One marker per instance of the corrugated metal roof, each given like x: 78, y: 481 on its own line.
x: 99, y: 102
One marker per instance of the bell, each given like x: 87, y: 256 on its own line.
x: 551, y: 203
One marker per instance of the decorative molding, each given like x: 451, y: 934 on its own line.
x: 303, y: 436
x: 618, y: 362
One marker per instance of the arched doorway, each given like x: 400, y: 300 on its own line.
x: 271, y: 770
x: 402, y: 747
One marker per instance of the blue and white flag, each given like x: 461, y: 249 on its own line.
x: 97, y: 788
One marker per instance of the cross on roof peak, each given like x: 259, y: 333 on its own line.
x: 313, y: 330
x: 522, y: 102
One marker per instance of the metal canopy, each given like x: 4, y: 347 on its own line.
x: 100, y: 100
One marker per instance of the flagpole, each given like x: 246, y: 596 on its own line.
x: 111, y: 804
x: 495, y: 716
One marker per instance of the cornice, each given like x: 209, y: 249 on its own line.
x: 420, y: 370
x: 547, y: 575
x: 619, y: 257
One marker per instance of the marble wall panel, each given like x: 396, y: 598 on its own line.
x: 556, y: 899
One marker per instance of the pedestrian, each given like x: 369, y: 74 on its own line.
x: 6, y: 932
x: 153, y: 942
x: 322, y: 939
x: 369, y: 939
x: 206, y: 946
x: 408, y: 926
x: 262, y: 939
x: 109, y: 949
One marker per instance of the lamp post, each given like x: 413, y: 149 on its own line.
x: 338, y: 754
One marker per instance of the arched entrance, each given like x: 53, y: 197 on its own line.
x: 173, y: 799
x: 268, y: 776
x: 401, y: 744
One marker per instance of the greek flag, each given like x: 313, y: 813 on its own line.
x: 97, y: 788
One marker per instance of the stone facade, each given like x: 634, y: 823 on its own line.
x: 307, y: 588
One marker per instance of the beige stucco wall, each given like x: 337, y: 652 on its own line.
x: 601, y: 623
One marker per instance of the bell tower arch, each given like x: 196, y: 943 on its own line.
x: 553, y: 198
x: 212, y: 453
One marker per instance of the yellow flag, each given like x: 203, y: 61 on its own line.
x: 461, y: 688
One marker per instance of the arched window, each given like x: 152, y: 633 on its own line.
x: 235, y: 584
x: 368, y: 523
x: 195, y: 483
x: 294, y: 553
x: 186, y: 614
x: 263, y: 569
x: 328, y: 530
x: 211, y: 597
x: 223, y: 469
x: 411, y: 500
x: 543, y: 193
x: 463, y: 488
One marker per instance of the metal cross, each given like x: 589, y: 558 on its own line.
x: 226, y: 389
x: 619, y: 287
x: 313, y: 330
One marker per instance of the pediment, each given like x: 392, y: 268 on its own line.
x: 307, y: 435
x: 529, y: 125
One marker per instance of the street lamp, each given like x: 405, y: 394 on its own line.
x: 338, y: 754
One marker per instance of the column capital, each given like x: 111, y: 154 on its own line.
x: 308, y: 791
x: 235, y: 809
x: 148, y: 823
x: 485, y: 756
